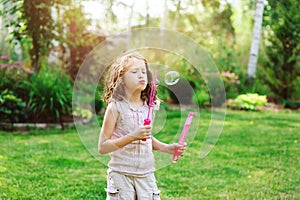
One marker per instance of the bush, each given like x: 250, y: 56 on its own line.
x: 97, y: 104
x: 50, y: 95
x: 202, y: 97
x: 12, y: 109
x: 163, y: 93
x: 291, y: 103
x: 230, y: 80
x: 83, y: 113
x: 12, y: 76
x: 181, y: 92
x: 249, y: 101
x: 281, y: 69
x: 216, y: 89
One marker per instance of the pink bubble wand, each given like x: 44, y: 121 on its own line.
x: 183, y: 135
x: 147, y: 121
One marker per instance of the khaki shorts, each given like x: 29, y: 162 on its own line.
x: 124, y: 187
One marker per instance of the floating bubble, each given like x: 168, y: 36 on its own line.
x: 172, y: 77
x: 152, y: 40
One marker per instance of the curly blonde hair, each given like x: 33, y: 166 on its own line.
x: 114, y: 88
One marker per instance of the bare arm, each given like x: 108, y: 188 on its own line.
x: 163, y: 147
x: 167, y: 148
x: 107, y: 144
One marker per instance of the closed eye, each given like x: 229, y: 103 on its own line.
x: 135, y: 71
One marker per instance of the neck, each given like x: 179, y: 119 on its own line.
x: 134, y: 97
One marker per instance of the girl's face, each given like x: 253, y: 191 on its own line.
x: 135, y: 77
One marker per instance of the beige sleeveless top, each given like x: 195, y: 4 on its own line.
x: 135, y: 158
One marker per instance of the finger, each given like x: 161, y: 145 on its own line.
x: 180, y: 150
x: 180, y: 146
x: 147, y: 133
x: 184, y: 145
x: 147, y: 136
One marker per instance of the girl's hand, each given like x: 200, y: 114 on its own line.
x: 143, y: 132
x: 171, y: 148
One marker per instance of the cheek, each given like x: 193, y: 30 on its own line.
x: 127, y: 77
x: 128, y: 80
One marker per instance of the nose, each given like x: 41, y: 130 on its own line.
x: 140, y: 74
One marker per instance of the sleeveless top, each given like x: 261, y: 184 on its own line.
x: 136, y: 158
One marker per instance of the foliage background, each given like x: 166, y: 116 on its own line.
x: 44, y: 42
x: 61, y: 33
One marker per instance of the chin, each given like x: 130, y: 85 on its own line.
x: 142, y: 87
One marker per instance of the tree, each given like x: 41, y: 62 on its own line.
x: 165, y: 15
x: 77, y: 41
x: 39, y: 23
x: 282, y: 47
x: 34, y: 22
x: 255, y: 39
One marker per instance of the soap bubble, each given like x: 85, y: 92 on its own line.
x: 167, y: 43
x: 171, y: 77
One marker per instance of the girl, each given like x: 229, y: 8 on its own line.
x: 131, y: 167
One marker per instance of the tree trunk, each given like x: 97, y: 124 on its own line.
x: 165, y: 16
x: 255, y: 39
x: 130, y: 15
x: 177, y: 14
x: 147, y: 14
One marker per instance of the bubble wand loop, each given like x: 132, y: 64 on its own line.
x: 147, y: 121
x: 183, y: 135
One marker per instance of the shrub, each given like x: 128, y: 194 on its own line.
x: 50, y: 95
x: 12, y: 76
x: 230, y: 80
x: 281, y: 69
x: 163, y: 93
x: 81, y: 112
x: 249, y: 101
x: 216, y: 89
x: 12, y: 109
x: 97, y: 104
x: 182, y: 92
x: 291, y: 103
x: 201, y: 97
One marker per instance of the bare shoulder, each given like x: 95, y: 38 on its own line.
x: 112, y: 111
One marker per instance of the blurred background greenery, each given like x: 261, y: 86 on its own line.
x: 44, y: 42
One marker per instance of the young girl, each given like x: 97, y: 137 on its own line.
x: 131, y: 167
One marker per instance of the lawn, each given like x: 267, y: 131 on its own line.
x: 256, y: 157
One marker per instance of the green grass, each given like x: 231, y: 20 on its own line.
x: 256, y: 157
